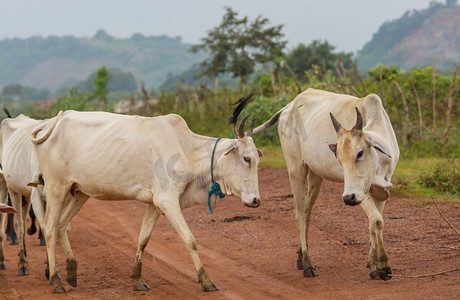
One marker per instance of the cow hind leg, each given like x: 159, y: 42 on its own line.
x: 169, y: 205
x: 378, y: 258
x: 73, y: 206
x: 298, y: 178
x: 150, y: 218
x: 314, y: 183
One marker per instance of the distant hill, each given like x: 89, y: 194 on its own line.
x: 419, y: 38
x: 54, y: 62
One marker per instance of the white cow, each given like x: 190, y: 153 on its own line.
x: 18, y: 160
x: 363, y: 157
x: 158, y: 161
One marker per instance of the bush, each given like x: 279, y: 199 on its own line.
x: 444, y: 177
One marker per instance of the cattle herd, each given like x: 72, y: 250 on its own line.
x: 55, y: 165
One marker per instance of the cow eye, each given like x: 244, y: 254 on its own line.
x: 360, y: 153
x: 247, y: 159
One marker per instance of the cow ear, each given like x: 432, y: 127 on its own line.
x: 381, y: 151
x: 230, y: 150
x: 261, y: 154
x: 333, y: 148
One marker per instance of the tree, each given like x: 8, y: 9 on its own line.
x: 236, y: 45
x: 100, y: 87
x: 303, y: 58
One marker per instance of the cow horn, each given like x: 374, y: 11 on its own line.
x: 234, y: 129
x: 251, y: 128
x: 241, y: 127
x: 336, y: 123
x: 359, y: 120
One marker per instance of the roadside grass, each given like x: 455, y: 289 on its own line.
x: 273, y: 157
x: 406, y: 179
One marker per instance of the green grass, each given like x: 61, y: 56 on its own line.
x: 273, y: 157
x: 406, y: 177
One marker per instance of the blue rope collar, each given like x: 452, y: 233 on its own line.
x: 215, y: 187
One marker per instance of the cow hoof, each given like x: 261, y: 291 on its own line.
x: 72, y: 281
x: 310, y: 272
x: 23, y: 271
x: 56, y: 284
x: 60, y: 290
x: 141, y: 286
x: 212, y: 287
x: 383, y: 274
x: 2, y: 266
x: 47, y: 274
x: 14, y: 242
x: 42, y: 243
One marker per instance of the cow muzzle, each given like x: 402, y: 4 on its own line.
x: 350, y: 199
x: 254, y: 203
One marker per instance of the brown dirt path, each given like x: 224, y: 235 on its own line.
x: 253, y: 258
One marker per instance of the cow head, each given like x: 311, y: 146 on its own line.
x: 359, y: 156
x: 238, y: 165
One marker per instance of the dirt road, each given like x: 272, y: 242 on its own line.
x: 251, y: 253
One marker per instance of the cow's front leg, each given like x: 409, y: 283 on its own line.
x: 378, y: 258
x: 150, y: 218
x: 50, y: 226
x: 169, y: 205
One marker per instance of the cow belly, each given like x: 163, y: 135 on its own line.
x: 114, y: 191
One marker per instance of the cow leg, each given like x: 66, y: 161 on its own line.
x: 169, y: 205
x: 314, y: 183
x: 10, y: 232
x: 378, y: 258
x: 55, y: 205
x: 38, y: 211
x: 22, y: 205
x: 150, y: 218
x: 73, y: 205
x: 2, y: 236
x: 3, y: 199
x: 32, y: 229
x: 372, y: 257
x: 298, y: 178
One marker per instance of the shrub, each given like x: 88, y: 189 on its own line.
x: 444, y: 177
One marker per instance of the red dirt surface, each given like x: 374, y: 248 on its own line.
x: 253, y: 257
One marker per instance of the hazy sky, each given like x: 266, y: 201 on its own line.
x: 347, y: 24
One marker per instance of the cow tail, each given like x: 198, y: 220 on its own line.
x: 270, y: 122
x: 47, y: 127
